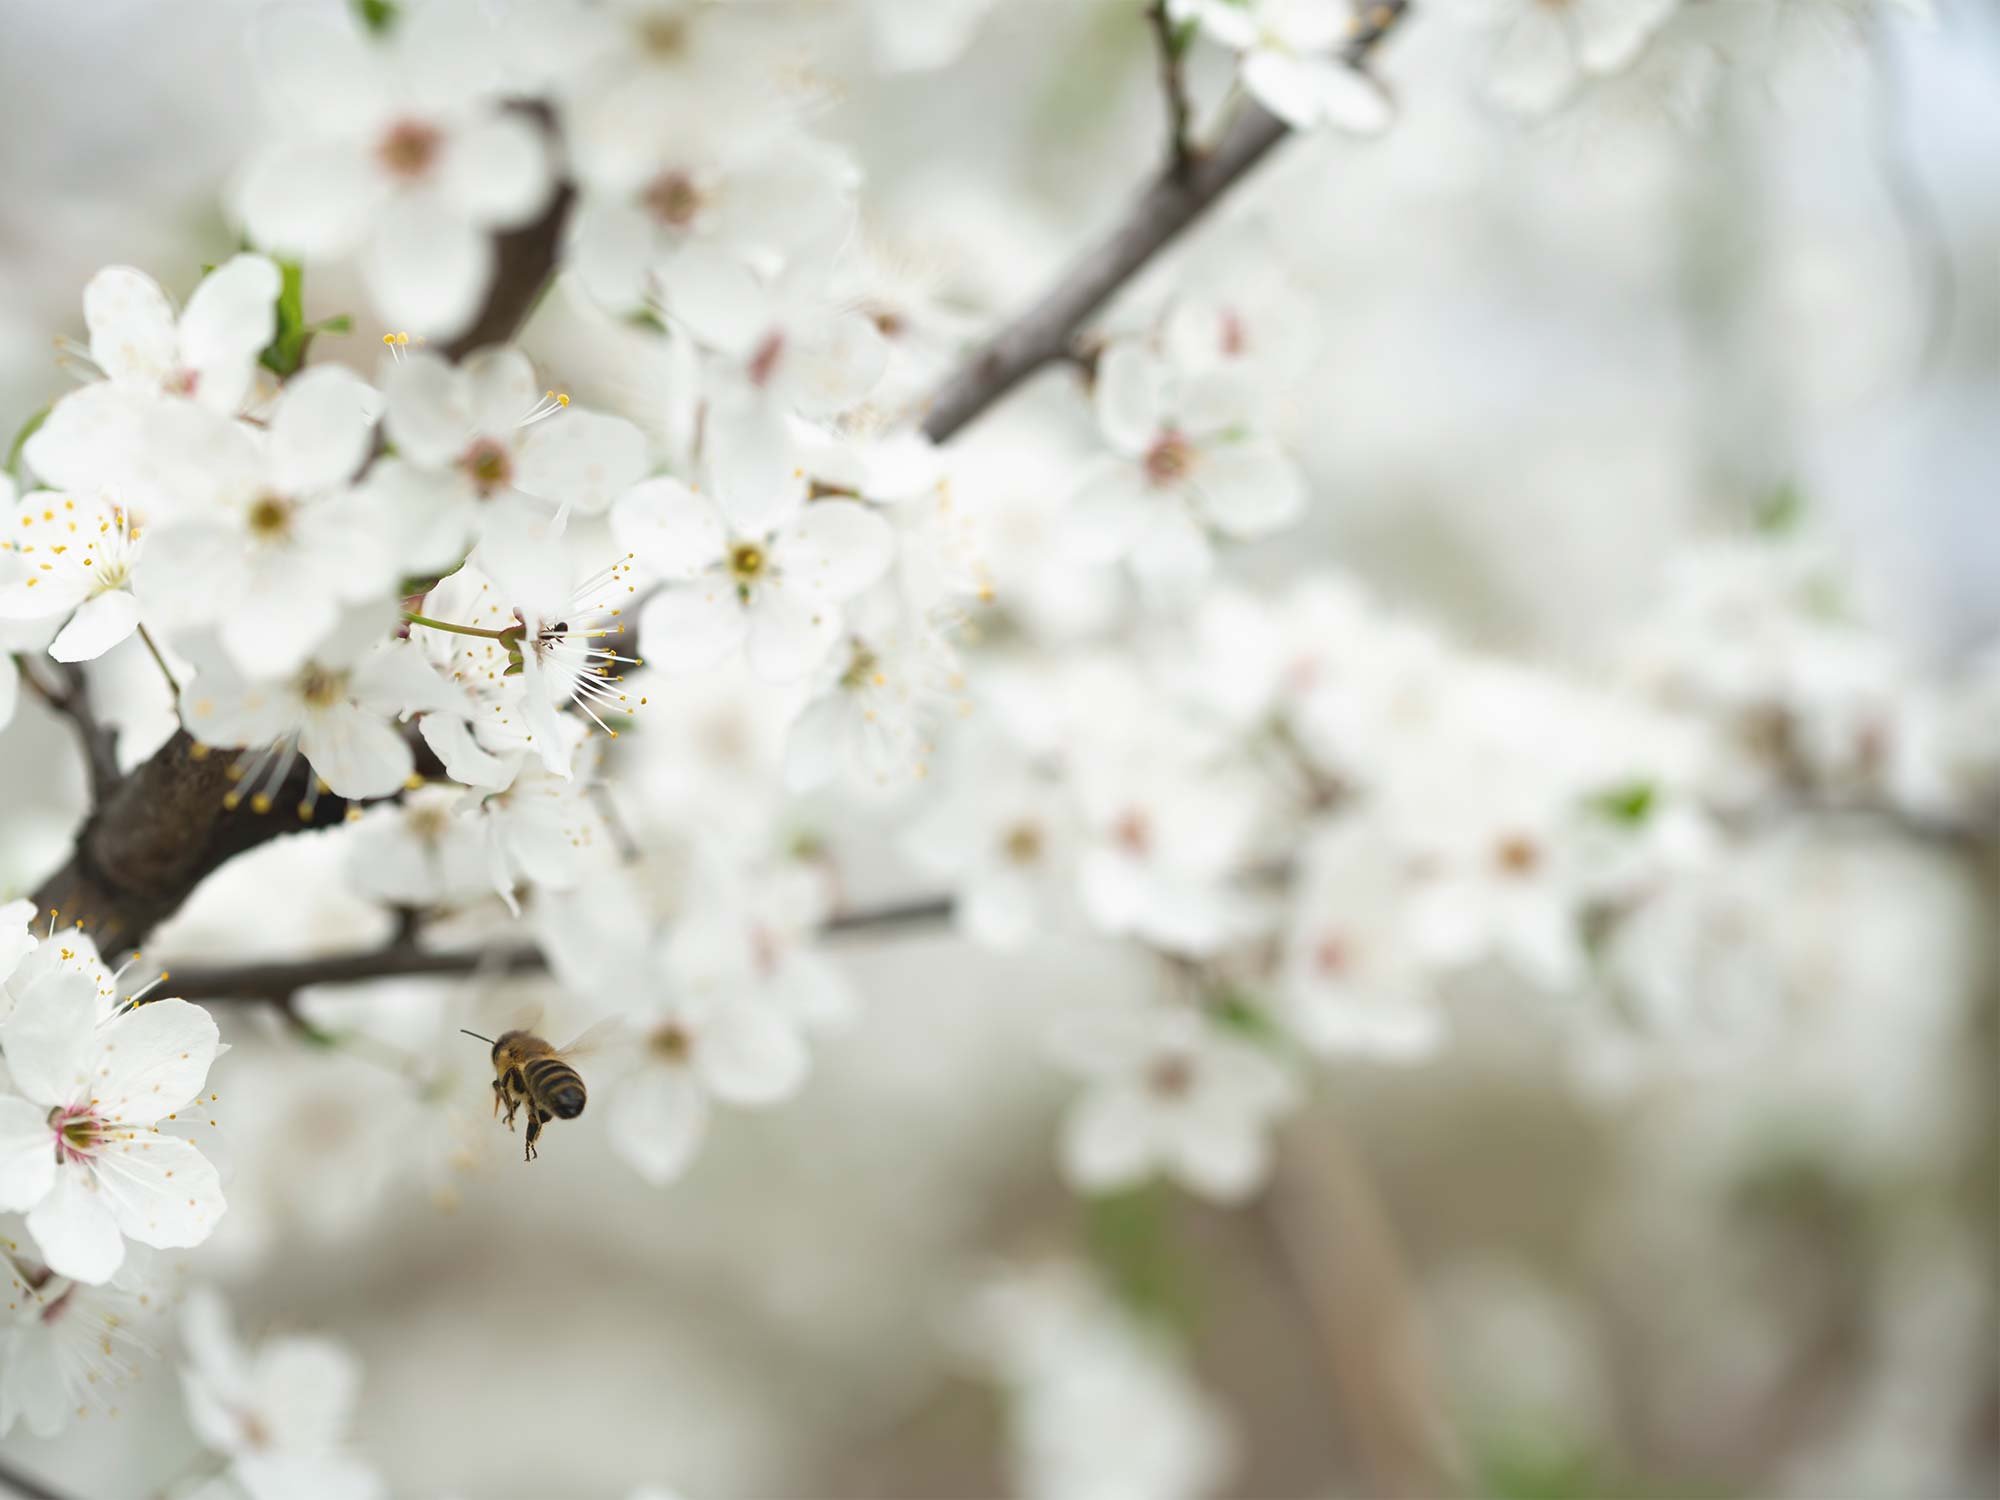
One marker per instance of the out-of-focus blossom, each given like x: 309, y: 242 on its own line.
x: 396, y: 147
x: 278, y: 1414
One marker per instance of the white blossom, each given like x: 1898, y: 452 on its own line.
x: 81, y: 1148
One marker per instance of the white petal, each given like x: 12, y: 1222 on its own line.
x: 310, y: 198
x: 152, y: 1060
x: 581, y: 460
x: 1222, y: 1157
x: 835, y: 549
x: 688, y: 627
x: 161, y: 1190
x: 48, y: 1039
x: 521, y: 550
x: 305, y: 1391
x: 231, y: 316
x: 613, y: 249
x: 999, y: 911
x: 354, y: 753
x: 320, y: 429
x: 1533, y: 70
x: 429, y: 416
x: 1308, y: 92
x: 496, y: 172
x: 75, y: 1230
x: 27, y: 1154
x: 316, y: 67
x: 657, y: 1120
x: 718, y: 297
x: 670, y: 529
x: 464, y: 761
x: 501, y: 389
x: 427, y: 267
x: 833, y: 364
x: 790, y: 633
x: 1107, y: 1140
x: 1611, y: 33
x: 747, y: 1055
x: 131, y: 325
x: 97, y: 626
x: 1128, y: 395
x: 1247, y: 488
x: 1111, y: 508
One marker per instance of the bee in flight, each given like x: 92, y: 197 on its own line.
x: 527, y: 1070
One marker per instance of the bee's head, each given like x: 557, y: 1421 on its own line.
x: 505, y: 1037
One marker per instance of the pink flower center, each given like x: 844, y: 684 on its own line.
x: 764, y: 363
x: 1518, y: 855
x: 1172, y: 1075
x: 1235, y: 337
x: 1133, y: 833
x: 78, y: 1130
x: 410, y: 147
x: 1332, y: 956
x: 181, y: 382
x: 1170, y: 459
x: 673, y: 199
x: 487, y: 464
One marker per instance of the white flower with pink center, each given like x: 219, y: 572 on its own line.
x: 81, y: 1151
x: 1185, y: 459
x: 396, y: 148
x: 206, y: 353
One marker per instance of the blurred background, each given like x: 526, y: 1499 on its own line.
x: 1536, y: 362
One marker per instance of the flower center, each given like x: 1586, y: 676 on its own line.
x: 270, y: 518
x: 1023, y: 844
x: 1133, y: 833
x: 663, y: 35
x: 409, y: 148
x: 764, y: 363
x: 488, y: 465
x: 429, y: 825
x: 672, y: 1043
x: 673, y: 199
x: 321, y: 688
x: 747, y: 562
x: 1171, y: 1076
x: 1517, y: 854
x: 1170, y: 459
x: 78, y: 1132
x: 861, y: 670
x: 1332, y: 956
x: 181, y: 382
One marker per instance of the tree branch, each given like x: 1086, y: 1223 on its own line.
x: 1173, y: 84
x: 100, y: 741
x: 277, y: 982
x: 1176, y: 198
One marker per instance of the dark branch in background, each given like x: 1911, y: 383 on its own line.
x: 403, y: 959
x: 1173, y: 84
x: 1175, y: 200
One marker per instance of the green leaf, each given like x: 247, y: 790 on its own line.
x: 1130, y: 1235
x: 1182, y: 37
x: 28, y: 429
x: 1630, y: 805
x: 376, y: 15
x: 1236, y: 1011
x: 1780, y: 512
x: 287, y: 349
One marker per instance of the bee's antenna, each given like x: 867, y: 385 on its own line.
x: 486, y: 1039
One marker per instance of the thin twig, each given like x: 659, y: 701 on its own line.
x: 278, y: 981
x: 1175, y: 200
x: 1173, y: 84
x: 100, y: 741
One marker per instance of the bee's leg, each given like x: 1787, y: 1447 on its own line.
x: 534, y: 1132
x: 499, y: 1097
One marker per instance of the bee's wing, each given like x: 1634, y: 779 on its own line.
x: 602, y: 1037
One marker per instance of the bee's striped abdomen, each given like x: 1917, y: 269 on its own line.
x: 555, y: 1084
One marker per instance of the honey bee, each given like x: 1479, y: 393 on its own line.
x: 528, y: 1070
